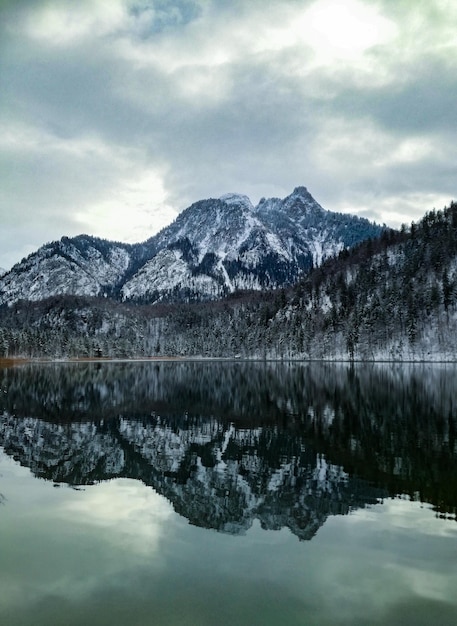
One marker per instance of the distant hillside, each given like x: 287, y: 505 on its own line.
x: 394, y: 298
x: 214, y: 248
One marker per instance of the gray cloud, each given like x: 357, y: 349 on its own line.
x: 149, y: 105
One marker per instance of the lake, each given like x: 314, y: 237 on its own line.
x: 218, y: 493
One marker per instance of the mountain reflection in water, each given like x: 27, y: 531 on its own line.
x: 227, y: 443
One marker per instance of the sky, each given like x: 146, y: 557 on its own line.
x: 115, y: 115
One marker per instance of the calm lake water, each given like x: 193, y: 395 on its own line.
x: 228, y: 494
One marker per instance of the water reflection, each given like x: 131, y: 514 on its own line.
x: 226, y: 444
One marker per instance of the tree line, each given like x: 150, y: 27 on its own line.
x: 391, y: 298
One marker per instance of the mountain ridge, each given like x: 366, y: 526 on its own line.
x: 213, y: 248
x: 389, y: 299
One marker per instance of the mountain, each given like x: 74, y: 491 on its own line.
x: 299, y: 220
x: 389, y: 299
x: 81, y: 265
x: 215, y: 247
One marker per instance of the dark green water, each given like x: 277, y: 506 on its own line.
x: 228, y: 493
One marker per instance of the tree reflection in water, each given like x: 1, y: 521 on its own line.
x: 227, y: 443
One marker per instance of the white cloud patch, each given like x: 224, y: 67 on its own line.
x: 125, y: 214
x: 132, y: 207
x: 69, y: 23
x: 92, y: 186
x: 342, y: 30
x: 134, y: 515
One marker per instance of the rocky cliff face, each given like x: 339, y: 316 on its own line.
x: 213, y: 248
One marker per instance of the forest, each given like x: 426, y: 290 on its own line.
x: 390, y: 298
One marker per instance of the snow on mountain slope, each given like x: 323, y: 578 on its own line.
x: 237, y: 199
x: 218, y: 226
x: 305, y: 228
x: 167, y: 275
x: 79, y: 266
x: 226, y: 245
x: 214, y: 247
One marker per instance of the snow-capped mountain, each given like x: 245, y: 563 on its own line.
x: 81, y: 265
x: 213, y: 248
x: 304, y: 227
x: 216, y: 247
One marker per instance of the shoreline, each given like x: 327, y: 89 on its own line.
x: 15, y: 361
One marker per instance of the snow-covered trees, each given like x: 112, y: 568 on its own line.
x: 390, y: 298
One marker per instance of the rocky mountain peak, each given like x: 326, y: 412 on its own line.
x: 237, y: 199
x: 301, y: 195
x: 300, y: 191
x: 213, y: 248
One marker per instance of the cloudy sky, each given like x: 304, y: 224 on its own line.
x: 117, y: 114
